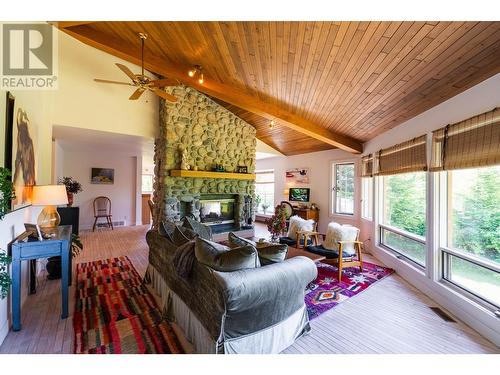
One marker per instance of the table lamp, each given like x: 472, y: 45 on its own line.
x: 49, y: 196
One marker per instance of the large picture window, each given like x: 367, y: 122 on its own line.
x: 264, y: 191
x: 403, y: 220
x: 343, y: 188
x: 471, y: 228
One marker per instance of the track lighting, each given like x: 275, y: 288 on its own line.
x: 271, y: 124
x: 197, y: 70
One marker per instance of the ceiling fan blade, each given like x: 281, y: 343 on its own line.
x: 116, y: 82
x: 164, y: 82
x: 137, y: 94
x: 127, y: 71
x: 164, y: 95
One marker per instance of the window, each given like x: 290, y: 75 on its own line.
x: 471, y: 231
x: 403, y: 223
x: 343, y: 188
x: 147, y: 183
x: 264, y: 191
x: 367, y: 198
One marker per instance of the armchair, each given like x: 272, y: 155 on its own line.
x: 341, y: 247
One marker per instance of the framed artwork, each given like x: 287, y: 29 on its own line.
x: 297, y: 175
x: 20, y: 152
x: 105, y: 176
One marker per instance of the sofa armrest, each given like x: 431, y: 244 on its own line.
x: 258, y: 298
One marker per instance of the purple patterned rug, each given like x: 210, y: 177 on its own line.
x: 326, y: 292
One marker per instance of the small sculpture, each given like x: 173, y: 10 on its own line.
x: 184, y: 160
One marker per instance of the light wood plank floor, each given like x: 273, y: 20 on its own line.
x: 389, y: 317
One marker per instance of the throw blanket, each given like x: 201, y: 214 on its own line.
x: 184, y: 259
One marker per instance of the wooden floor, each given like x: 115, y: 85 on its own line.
x: 389, y: 317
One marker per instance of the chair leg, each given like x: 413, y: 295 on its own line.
x: 340, y: 262
x: 111, y: 223
x: 360, y: 257
x: 95, y: 223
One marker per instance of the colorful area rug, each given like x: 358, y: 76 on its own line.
x: 115, y: 313
x: 327, y: 292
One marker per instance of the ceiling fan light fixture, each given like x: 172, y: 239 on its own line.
x: 271, y: 124
x: 191, y: 73
x: 201, y: 79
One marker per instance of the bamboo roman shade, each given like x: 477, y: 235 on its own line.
x: 474, y: 142
x: 367, y: 166
x: 409, y: 156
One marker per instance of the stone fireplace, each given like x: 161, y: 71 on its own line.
x: 207, y: 134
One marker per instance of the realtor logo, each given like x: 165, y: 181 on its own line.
x: 28, y: 56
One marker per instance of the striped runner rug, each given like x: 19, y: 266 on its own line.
x: 115, y: 312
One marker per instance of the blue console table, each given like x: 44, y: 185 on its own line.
x: 59, y: 245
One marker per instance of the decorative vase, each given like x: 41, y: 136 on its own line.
x: 70, y: 199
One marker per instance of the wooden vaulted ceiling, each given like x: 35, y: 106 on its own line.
x: 326, y: 84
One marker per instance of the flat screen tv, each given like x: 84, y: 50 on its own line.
x: 298, y: 194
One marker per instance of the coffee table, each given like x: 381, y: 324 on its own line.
x: 294, y: 252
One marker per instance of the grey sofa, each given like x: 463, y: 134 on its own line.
x: 259, y: 310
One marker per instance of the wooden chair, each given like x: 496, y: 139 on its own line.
x: 341, y: 258
x: 288, y: 211
x: 151, y: 210
x: 102, y: 208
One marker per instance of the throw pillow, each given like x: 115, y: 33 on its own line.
x: 336, y: 232
x: 202, y: 230
x: 223, y: 258
x: 182, y: 236
x: 236, y: 241
x: 166, y: 229
x: 268, y: 252
x: 298, y: 224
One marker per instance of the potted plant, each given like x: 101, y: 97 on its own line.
x: 265, y: 206
x: 6, y: 192
x: 5, y: 280
x: 276, y: 224
x: 72, y: 187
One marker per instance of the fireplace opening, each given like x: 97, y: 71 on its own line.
x: 217, y: 210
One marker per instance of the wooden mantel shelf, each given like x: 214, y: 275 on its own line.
x: 209, y: 174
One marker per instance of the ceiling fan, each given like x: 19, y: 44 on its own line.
x: 143, y: 82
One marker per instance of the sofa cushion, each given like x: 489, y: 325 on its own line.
x: 202, y: 230
x: 268, y: 252
x: 223, y: 258
x: 298, y: 224
x: 335, y: 233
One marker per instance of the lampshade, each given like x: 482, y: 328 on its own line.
x: 49, y: 195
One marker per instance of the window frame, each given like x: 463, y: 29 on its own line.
x: 381, y: 226
x: 446, y: 252
x: 333, y: 186
x: 368, y: 198
x: 266, y: 171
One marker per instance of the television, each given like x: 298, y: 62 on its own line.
x: 298, y: 194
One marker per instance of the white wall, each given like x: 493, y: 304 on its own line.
x: 78, y: 164
x: 319, y: 164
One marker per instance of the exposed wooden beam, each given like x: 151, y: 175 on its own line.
x: 155, y: 64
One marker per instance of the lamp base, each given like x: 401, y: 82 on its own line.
x: 49, y: 219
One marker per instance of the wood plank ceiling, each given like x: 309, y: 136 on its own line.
x: 353, y: 79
